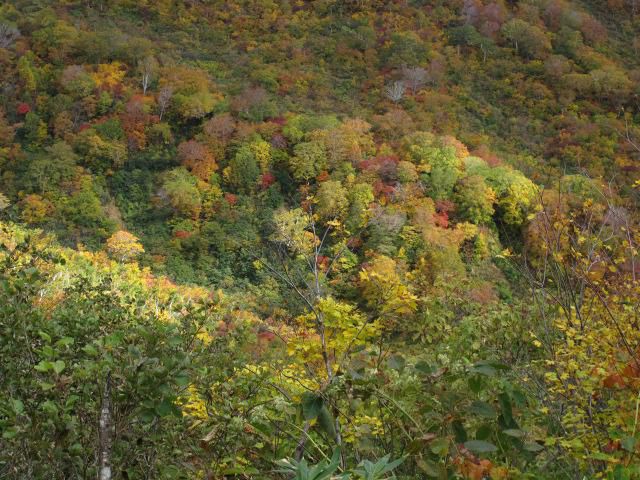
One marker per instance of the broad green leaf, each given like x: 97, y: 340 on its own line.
x: 311, y: 405
x: 164, y: 408
x: 483, y: 432
x: 440, y: 447
x: 44, y: 366
x: 90, y: 350
x: 480, y: 446
x: 45, y: 336
x: 17, y: 405
x: 628, y: 443
x: 459, y: 431
x: 505, y: 405
x: 483, y: 409
x: 326, y: 422
x: 533, y: 447
x: 58, y: 366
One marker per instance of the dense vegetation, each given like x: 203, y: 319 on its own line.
x: 319, y: 239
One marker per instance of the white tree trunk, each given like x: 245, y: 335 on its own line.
x: 104, y: 469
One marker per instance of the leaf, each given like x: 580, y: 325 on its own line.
x: 483, y: 409
x: 483, y: 432
x: 487, y: 370
x: 628, y: 443
x: 621, y: 473
x: 46, y: 386
x: 90, y: 350
x: 65, y: 342
x: 18, y: 406
x: 43, y: 366
x: 424, y: 367
x: 311, y: 405
x: 325, y: 420
x: 147, y: 415
x: 533, y: 447
x: 244, y: 470
x: 50, y: 408
x: 429, y: 468
x: 505, y: 405
x: 440, y: 447
x: 476, y: 384
x: 391, y: 465
x: 58, y: 366
x: 164, y: 408
x: 480, y: 446
x: 514, y: 432
x: 459, y: 431
x: 45, y: 336
x: 397, y: 362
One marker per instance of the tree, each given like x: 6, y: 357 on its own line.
x: 198, y: 159
x: 329, y: 330
x: 407, y: 172
x: 7, y: 131
x: 99, y: 153
x: 180, y: 187
x: 385, y: 292
x: 147, y: 69
x: 34, y: 129
x: 27, y: 73
x: 124, y: 246
x: 516, y: 194
x: 47, y: 170
x: 360, y: 197
x: 308, y: 161
x: 164, y: 99
x: 395, y: 91
x: 220, y: 127
x: 109, y: 76
x: 76, y: 81
x: 414, y: 78
x: 8, y: 35
x: 253, y: 104
x: 4, y: 202
x: 468, y: 35
x: 446, y: 168
x: 474, y: 200
x: 192, y: 92
x: 404, y: 48
x: 582, y: 271
x: 35, y: 209
x: 528, y: 40
x: 331, y: 200
x: 243, y: 170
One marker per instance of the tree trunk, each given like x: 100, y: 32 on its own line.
x: 105, y: 432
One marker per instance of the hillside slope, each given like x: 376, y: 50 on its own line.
x: 287, y: 229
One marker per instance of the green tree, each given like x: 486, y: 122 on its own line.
x: 243, y: 170
x: 528, y: 40
x: 474, y: 200
x: 331, y: 200
x: 308, y: 161
x: 182, y: 192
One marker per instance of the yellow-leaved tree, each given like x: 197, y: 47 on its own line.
x: 124, y: 246
x: 582, y: 251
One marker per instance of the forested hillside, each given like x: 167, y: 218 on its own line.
x: 320, y: 239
